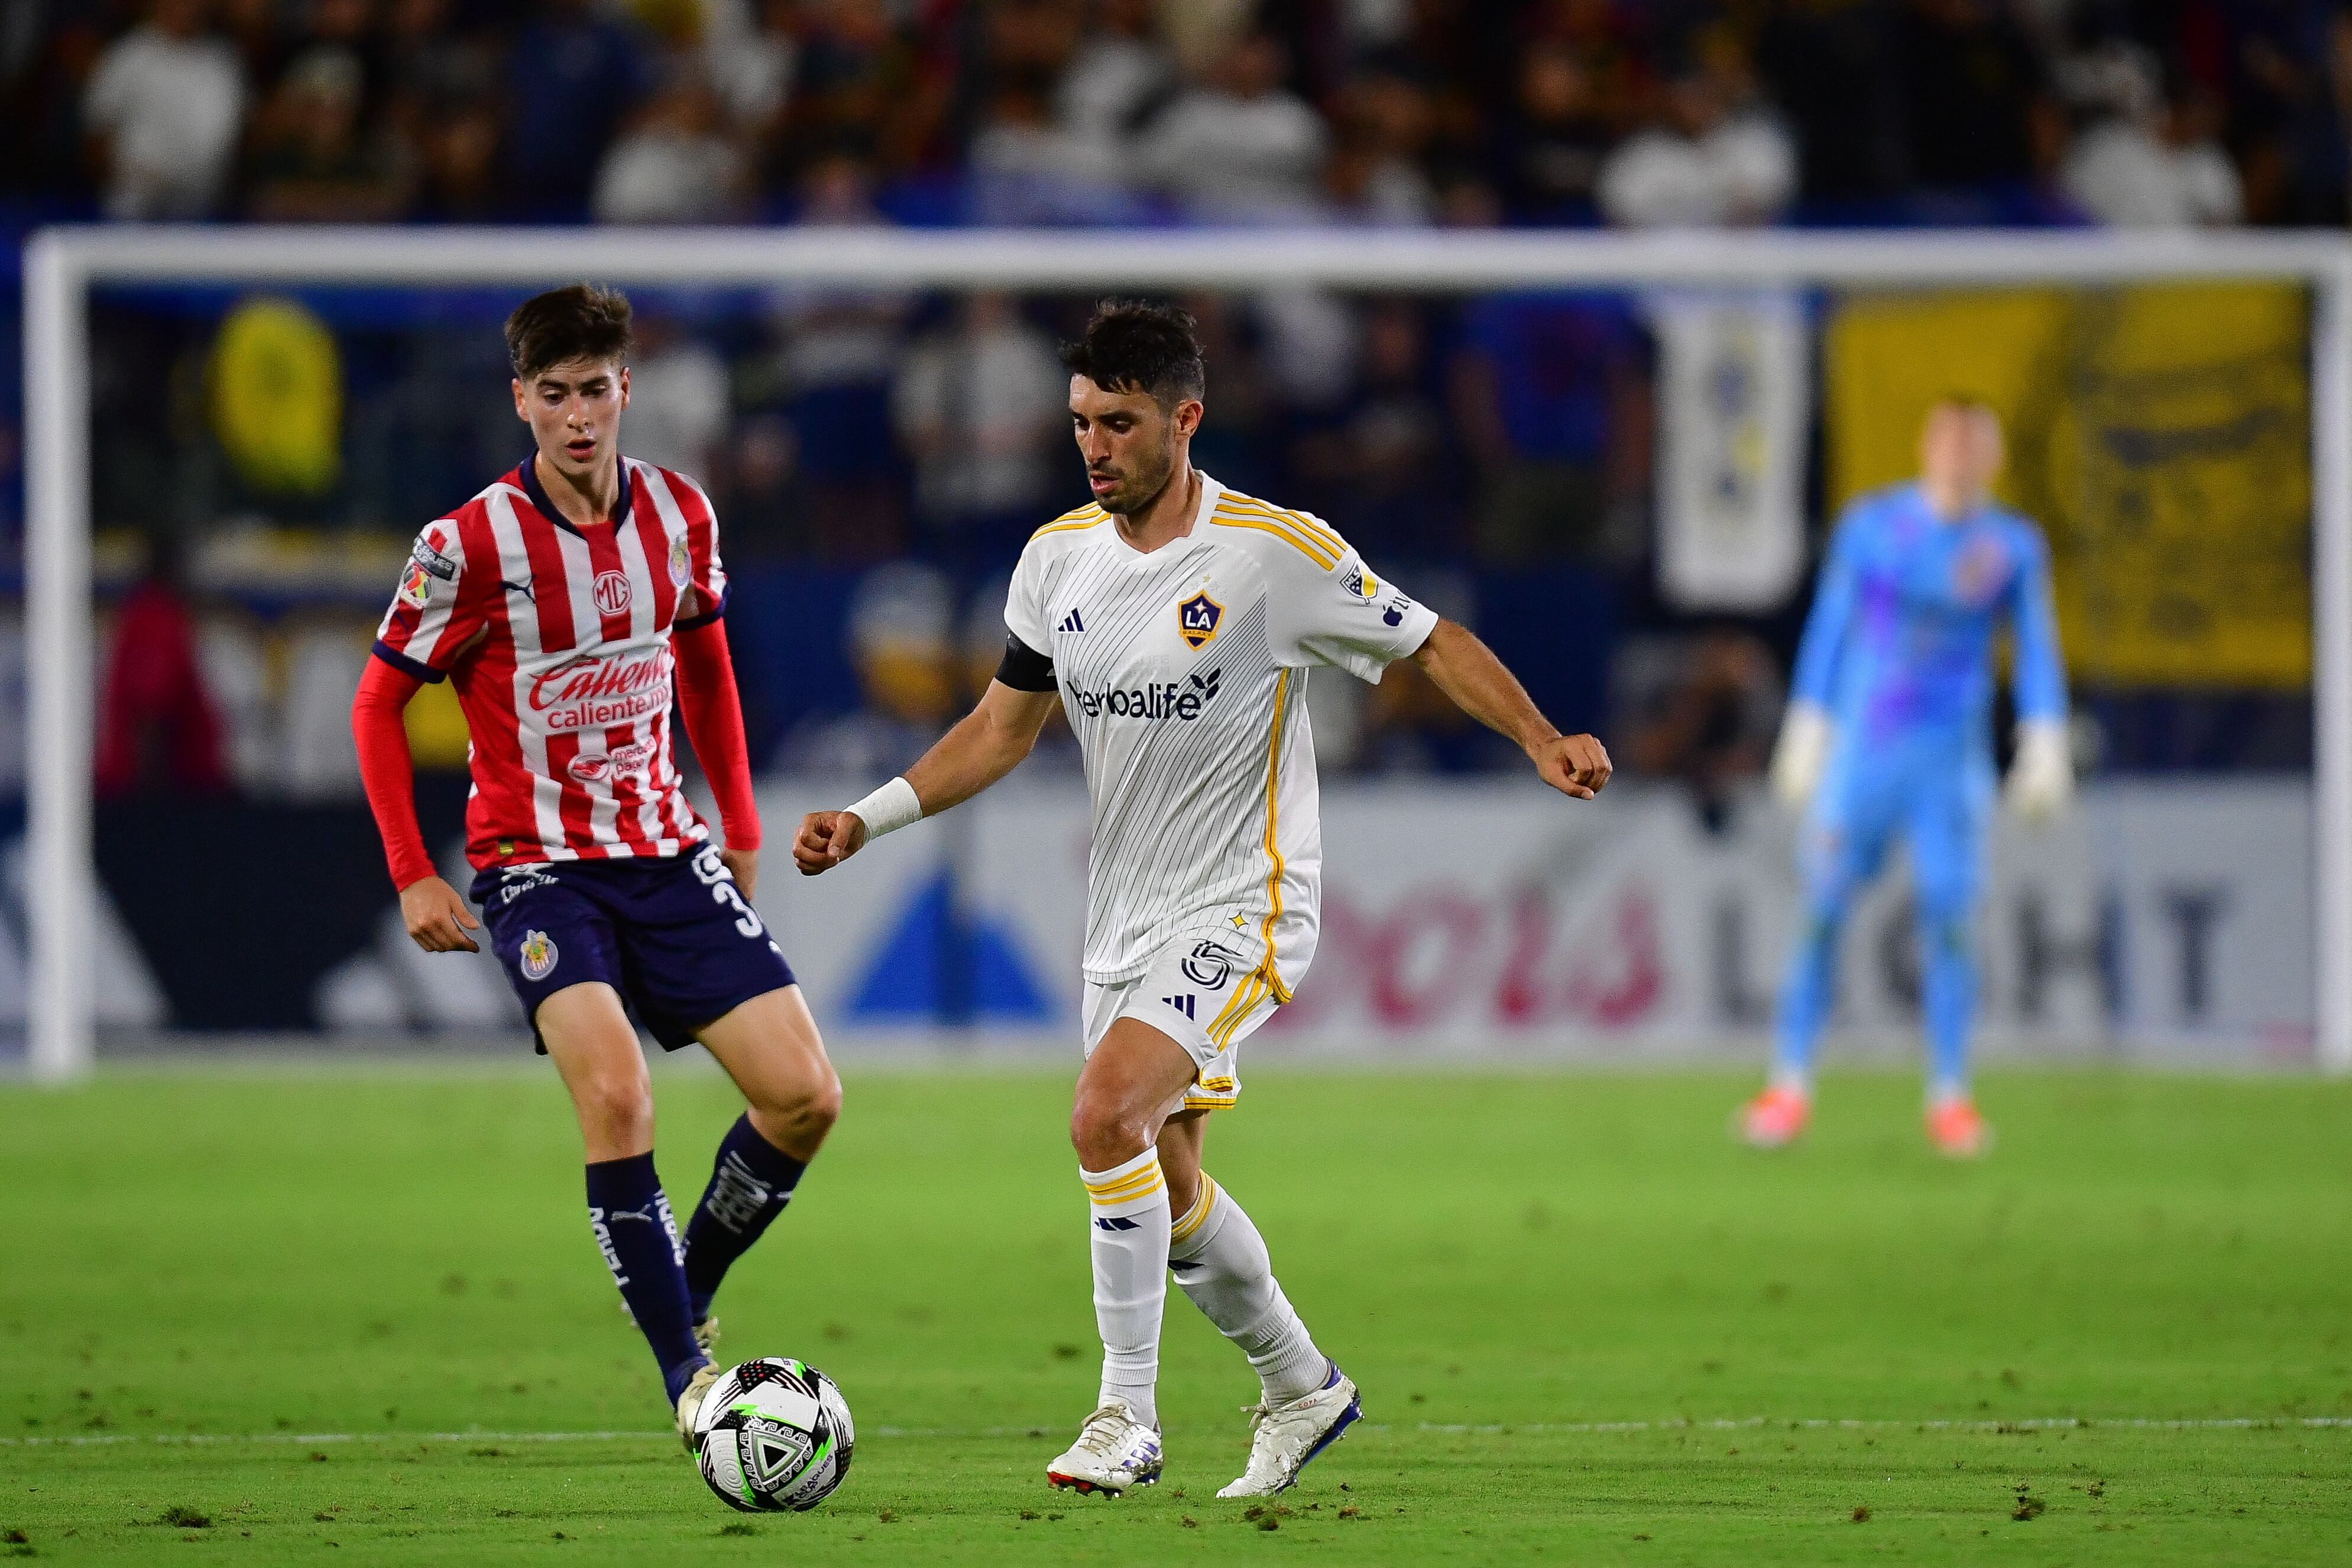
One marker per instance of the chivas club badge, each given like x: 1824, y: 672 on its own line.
x: 538, y: 955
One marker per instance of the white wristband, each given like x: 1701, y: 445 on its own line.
x: 890, y: 808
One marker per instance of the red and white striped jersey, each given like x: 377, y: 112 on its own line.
x: 557, y: 641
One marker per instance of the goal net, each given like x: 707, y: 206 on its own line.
x: 1617, y: 458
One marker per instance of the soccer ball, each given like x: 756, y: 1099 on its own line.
x: 773, y: 1434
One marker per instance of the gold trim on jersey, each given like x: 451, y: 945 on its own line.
x: 1306, y: 522
x: 1273, y: 848
x: 1085, y: 516
x: 1278, y: 525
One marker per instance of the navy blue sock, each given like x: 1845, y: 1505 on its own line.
x: 750, y: 1181
x: 638, y: 1237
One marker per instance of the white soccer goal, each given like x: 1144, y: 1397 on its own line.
x: 63, y: 265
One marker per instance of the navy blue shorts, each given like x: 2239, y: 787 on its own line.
x: 672, y: 935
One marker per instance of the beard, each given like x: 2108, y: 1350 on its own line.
x: 1142, y: 486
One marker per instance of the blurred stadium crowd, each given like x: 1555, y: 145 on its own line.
x: 1390, y: 112
x: 879, y: 458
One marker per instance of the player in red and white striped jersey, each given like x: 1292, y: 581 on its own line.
x: 569, y: 604
x: 564, y: 633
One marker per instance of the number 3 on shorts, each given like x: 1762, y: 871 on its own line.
x: 715, y: 877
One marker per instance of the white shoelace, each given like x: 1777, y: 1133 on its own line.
x: 1103, y: 1433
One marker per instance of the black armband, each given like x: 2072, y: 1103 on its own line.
x: 1023, y: 668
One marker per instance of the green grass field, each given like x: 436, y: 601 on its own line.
x: 355, y: 1315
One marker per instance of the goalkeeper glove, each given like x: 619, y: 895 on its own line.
x: 2041, y: 775
x: 1802, y: 752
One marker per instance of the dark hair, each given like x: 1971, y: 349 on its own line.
x: 584, y: 320
x: 1134, y: 345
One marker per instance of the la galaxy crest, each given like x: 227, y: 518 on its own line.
x: 1197, y: 618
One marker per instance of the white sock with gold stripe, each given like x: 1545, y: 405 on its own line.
x: 1220, y: 1260
x: 1129, y: 1206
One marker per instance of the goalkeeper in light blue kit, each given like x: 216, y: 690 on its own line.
x: 1889, y: 733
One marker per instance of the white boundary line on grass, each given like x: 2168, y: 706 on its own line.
x: 1498, y: 1429
x: 1773, y: 1422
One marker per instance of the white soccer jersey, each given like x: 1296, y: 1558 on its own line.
x: 1184, y: 673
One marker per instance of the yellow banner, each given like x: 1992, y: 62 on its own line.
x: 2161, y: 436
x: 278, y: 398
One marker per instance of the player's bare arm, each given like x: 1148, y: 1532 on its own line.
x: 437, y: 918
x: 987, y: 744
x: 1478, y: 683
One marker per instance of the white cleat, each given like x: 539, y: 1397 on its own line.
x: 706, y: 1334
x: 1284, y: 1438
x: 1114, y: 1451
x: 691, y: 1401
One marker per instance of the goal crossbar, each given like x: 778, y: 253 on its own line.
x: 62, y: 266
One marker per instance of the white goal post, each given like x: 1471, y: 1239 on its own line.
x: 62, y: 265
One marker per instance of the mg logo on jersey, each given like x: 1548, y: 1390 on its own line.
x: 611, y: 592
x: 1197, y: 618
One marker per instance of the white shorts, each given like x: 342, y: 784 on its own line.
x: 1202, y: 994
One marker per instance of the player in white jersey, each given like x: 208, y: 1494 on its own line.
x: 1178, y: 623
